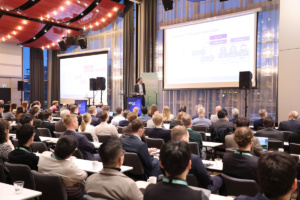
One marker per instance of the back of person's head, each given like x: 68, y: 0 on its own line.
x: 3, y: 126
x: 86, y: 118
x: 64, y: 113
x: 54, y: 102
x: 132, y: 116
x: 235, y: 112
x: 186, y: 120
x: 73, y: 108
x: 144, y: 110
x: 179, y: 133
x: 26, y: 118
x: 293, y: 115
x: 19, y: 111
x: 125, y: 113
x: 6, y: 108
x: 100, y: 105
x: 135, y: 110
x: 25, y: 104
x: 68, y: 119
x: 92, y: 109
x: 222, y: 114
x: 47, y: 113
x: 242, y: 122
x: 24, y: 133
x: 201, y: 110
x: 119, y: 110
x: 153, y: 109
x: 179, y: 116
x: 136, y: 125
x: 103, y: 116
x: 34, y: 110
x: 106, y: 108
x: 276, y: 173
x: 175, y: 157
x: 157, y: 119
x: 268, y: 122
x: 218, y: 108
x: 166, y: 113
x: 262, y: 113
x: 183, y: 108
x: 65, y: 146
x: 35, y: 103
x: 2, y: 106
x: 13, y: 106
x: 110, y: 152
x: 76, y: 104
x: 243, y: 136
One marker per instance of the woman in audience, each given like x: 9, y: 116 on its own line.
x: 7, y: 114
x: 13, y: 108
x: 136, y: 111
x: 177, y: 121
x: 19, y: 112
x: 87, y: 127
x: 152, y: 110
x: 166, y: 113
x: 25, y: 106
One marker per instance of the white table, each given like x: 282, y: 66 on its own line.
x: 54, y: 141
x: 211, y: 144
x: 286, y: 144
x: 8, y: 192
x: 207, y: 134
x: 213, y: 167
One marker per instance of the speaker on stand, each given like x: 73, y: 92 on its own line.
x: 100, y: 85
x: 93, y: 88
x: 21, y: 88
x: 246, y: 84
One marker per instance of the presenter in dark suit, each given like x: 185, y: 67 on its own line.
x: 140, y: 89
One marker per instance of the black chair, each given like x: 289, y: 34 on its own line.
x: 230, y: 150
x: 44, y: 132
x: 38, y: 147
x: 20, y: 172
x: 192, y: 180
x: 120, y: 130
x: 145, y: 124
x: 103, y: 137
x: 51, y: 186
x: 88, y: 197
x: 146, y: 131
x: 275, y: 145
x: 88, y: 136
x: 194, y: 148
x: 286, y: 135
x: 133, y: 160
x: 58, y: 113
x: 155, y: 142
x: 203, y: 135
x: 294, y: 148
x: 260, y: 128
x: 200, y: 128
x: 77, y: 153
x: 236, y: 186
x: 15, y: 142
x: 2, y: 173
x: 58, y: 134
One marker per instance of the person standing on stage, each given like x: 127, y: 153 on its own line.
x: 140, y: 89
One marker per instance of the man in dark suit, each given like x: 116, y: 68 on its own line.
x: 175, y: 158
x: 46, y: 123
x: 222, y: 127
x: 134, y: 144
x: 84, y: 145
x: 269, y: 130
x: 260, y: 122
x: 158, y: 132
x: 140, y: 89
x: 95, y: 120
x: 292, y: 124
x: 125, y: 122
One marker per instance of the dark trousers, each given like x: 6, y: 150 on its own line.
x: 143, y: 101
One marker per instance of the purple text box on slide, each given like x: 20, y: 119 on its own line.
x: 240, y: 39
x: 216, y: 37
x: 217, y: 42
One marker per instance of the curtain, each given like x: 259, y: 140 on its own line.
x: 55, y: 77
x: 36, y: 75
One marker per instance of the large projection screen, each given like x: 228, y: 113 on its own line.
x: 210, y: 54
x: 76, y: 72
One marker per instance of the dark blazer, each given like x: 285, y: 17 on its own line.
x: 240, y: 166
x: 258, y: 123
x: 137, y: 88
x: 95, y: 120
x: 84, y: 145
x: 123, y: 123
x: 199, y: 170
x: 290, y: 125
x: 79, y: 118
x: 169, y: 191
x: 271, y: 134
x: 220, y: 129
x: 19, y: 156
x: 60, y: 126
x: 160, y: 133
x: 50, y: 126
x: 195, y: 136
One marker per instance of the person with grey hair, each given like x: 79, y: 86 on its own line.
x: 59, y: 125
x: 196, y: 108
x: 214, y: 118
x: 260, y: 122
x: 235, y: 114
x: 292, y: 124
x: 201, y: 120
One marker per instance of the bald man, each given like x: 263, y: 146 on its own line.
x: 214, y: 118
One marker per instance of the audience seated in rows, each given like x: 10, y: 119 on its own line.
x: 34, y: 111
x: 25, y: 106
x: 194, y: 136
x: 106, y: 109
x: 115, y: 121
x: 74, y: 110
x: 60, y: 125
x: 235, y: 115
x: 87, y: 127
x: 28, y: 119
x: 196, y: 109
x: 276, y: 172
x: 7, y: 114
x: 19, y: 112
x: 104, y: 127
x: 177, y: 121
x: 222, y: 127
x: 93, y: 112
x: 38, y: 104
x: 230, y: 143
x: 54, y: 107
x: 84, y: 145
x: 136, y: 111
x: 201, y: 120
x: 182, y: 108
x: 125, y: 122
x: 134, y: 144
x: 215, y: 118
x: 292, y: 124
x: 166, y: 114
x: 241, y: 164
x: 144, y: 117
x: 22, y: 154
x: 47, y: 118
x: 111, y: 183
x: 127, y: 129
x: 175, y: 159
x: 260, y: 122
x: 152, y: 110
x: 269, y: 130
x: 158, y: 131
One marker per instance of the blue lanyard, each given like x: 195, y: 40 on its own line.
x: 55, y: 157
x: 175, y: 181
x: 21, y: 148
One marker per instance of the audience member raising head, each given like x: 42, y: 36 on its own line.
x: 135, y: 110
x: 13, y: 108
x: 54, y: 106
x: 166, y: 114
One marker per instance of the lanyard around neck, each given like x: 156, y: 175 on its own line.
x: 175, y: 181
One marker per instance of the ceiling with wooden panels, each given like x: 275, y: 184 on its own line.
x: 42, y: 23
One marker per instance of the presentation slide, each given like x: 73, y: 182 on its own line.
x: 210, y: 54
x: 75, y: 74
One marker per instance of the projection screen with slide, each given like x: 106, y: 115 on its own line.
x: 210, y: 54
x: 76, y: 72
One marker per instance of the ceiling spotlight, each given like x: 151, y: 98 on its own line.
x: 103, y: 19
x: 8, y: 36
x: 48, y: 16
x: 14, y: 32
x: 24, y: 22
x: 109, y: 15
x: 48, y: 46
x: 61, y: 8
x: 115, y: 9
x: 91, y: 26
x: 53, y: 44
x: 54, y: 12
x: 19, y: 27
x: 97, y: 10
x: 82, y: 14
x: 3, y: 39
x: 97, y: 23
x: 68, y: 2
x: 45, y: 31
x: 69, y: 31
x: 34, y: 38
x: 84, y: 28
x: 43, y: 47
x: 42, y: 18
x: 78, y: 1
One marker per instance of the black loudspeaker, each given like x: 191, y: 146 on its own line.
x: 62, y: 45
x: 93, y: 84
x: 245, y: 80
x: 82, y: 42
x: 20, y: 85
x: 168, y: 4
x: 71, y: 41
x: 100, y: 83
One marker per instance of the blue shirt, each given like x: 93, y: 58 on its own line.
x: 144, y: 118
